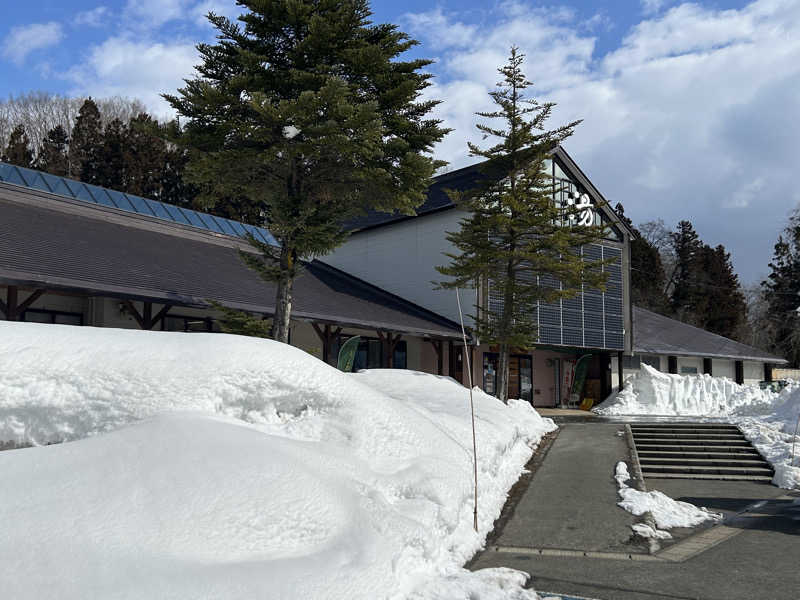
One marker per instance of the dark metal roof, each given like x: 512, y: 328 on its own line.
x: 76, y: 190
x: 51, y: 242
x: 468, y: 177
x: 657, y: 334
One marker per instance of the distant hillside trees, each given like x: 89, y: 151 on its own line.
x: 103, y: 142
x: 676, y: 274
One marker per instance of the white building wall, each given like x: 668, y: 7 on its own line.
x: 753, y: 372
x: 723, y: 367
x: 402, y: 258
x: 687, y: 363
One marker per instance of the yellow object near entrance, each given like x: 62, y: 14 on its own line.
x: 587, y: 404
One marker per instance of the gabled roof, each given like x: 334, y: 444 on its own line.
x: 56, y: 243
x: 657, y: 334
x: 86, y: 192
x: 468, y: 177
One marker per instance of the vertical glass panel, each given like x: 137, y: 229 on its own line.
x: 175, y: 214
x: 79, y: 190
x: 100, y: 195
x: 158, y: 209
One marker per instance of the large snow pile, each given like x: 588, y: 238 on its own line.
x: 217, y: 466
x: 768, y: 419
x: 666, y: 512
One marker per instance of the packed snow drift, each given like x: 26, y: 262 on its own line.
x: 666, y: 512
x: 766, y: 418
x: 218, y: 466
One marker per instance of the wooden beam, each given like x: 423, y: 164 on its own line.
x: 28, y: 301
x: 160, y: 315
x: 134, y: 312
x: 326, y: 335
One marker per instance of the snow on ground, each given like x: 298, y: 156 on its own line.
x: 666, y: 512
x: 218, y: 466
x: 766, y: 418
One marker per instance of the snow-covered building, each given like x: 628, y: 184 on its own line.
x: 78, y: 254
x: 400, y: 253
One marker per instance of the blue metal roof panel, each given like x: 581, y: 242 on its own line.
x: 77, y: 190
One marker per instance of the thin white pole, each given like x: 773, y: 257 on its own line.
x: 472, y: 412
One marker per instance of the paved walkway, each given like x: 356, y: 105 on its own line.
x: 571, y: 504
x: 572, y: 501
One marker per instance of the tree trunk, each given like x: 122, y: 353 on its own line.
x: 283, y: 298
x: 502, y: 372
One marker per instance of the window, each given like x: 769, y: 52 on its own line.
x: 188, y: 324
x: 688, y: 370
x: 370, y: 353
x: 40, y: 315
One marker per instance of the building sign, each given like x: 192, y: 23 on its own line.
x: 585, y: 217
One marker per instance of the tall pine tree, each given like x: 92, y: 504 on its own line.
x: 306, y: 111
x: 52, y: 157
x: 687, y: 246
x: 112, y: 170
x: 86, y: 146
x: 515, y: 230
x: 720, y: 305
x: 18, y: 151
x: 781, y: 292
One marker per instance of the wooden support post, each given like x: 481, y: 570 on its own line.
x: 12, y: 308
x: 620, y: 370
x: 327, y: 335
x: 145, y: 319
x: 388, y: 343
x: 439, y: 349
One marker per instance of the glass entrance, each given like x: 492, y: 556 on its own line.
x: 520, y: 375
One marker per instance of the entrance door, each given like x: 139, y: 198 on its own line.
x: 520, y: 375
x: 457, y: 362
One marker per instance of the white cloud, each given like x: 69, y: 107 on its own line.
x: 693, y: 116
x: 91, y: 18
x: 154, y: 13
x: 25, y: 39
x: 650, y: 7
x: 226, y: 8
x: 137, y: 69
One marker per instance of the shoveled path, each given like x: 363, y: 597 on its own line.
x: 571, y: 503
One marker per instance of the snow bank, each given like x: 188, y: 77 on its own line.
x: 766, y: 418
x: 667, y: 512
x: 217, y: 466
x: 651, y: 392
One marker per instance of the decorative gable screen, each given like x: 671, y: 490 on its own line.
x: 591, y: 319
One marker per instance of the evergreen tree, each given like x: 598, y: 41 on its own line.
x: 781, y: 292
x: 86, y: 147
x: 687, y: 247
x: 52, y: 157
x: 18, y: 151
x: 514, y: 230
x: 648, y: 279
x: 111, y: 171
x: 145, y: 158
x: 306, y: 112
x: 720, y: 304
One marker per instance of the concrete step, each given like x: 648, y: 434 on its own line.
x: 689, y: 435
x: 673, y: 429
x: 705, y: 461
x: 710, y: 470
x: 744, y: 454
x: 740, y: 449
x: 687, y: 425
x: 728, y: 477
x: 691, y: 442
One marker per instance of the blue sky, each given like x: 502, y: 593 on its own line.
x: 690, y: 109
